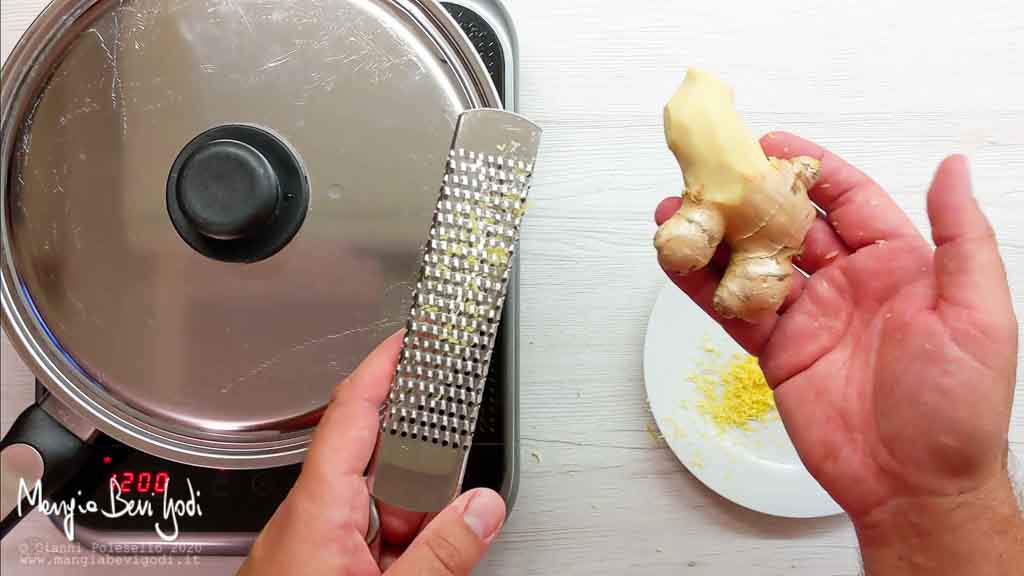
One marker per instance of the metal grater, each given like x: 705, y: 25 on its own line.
x: 428, y: 423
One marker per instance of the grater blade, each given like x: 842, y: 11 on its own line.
x: 428, y: 422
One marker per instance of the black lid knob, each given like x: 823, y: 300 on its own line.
x: 227, y: 189
x: 237, y: 193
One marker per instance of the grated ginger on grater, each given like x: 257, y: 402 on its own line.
x: 732, y: 394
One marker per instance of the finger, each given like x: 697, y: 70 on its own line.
x: 307, y: 526
x: 347, y: 433
x: 700, y: 287
x: 822, y: 247
x: 326, y: 514
x: 388, y: 556
x: 280, y: 554
x: 796, y: 288
x: 371, y: 380
x: 456, y: 540
x: 810, y: 328
x: 398, y: 527
x: 857, y: 208
x: 969, y: 272
x: 666, y: 209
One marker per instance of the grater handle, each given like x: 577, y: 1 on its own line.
x: 416, y: 477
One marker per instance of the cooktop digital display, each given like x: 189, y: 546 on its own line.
x: 145, y: 483
x: 133, y: 490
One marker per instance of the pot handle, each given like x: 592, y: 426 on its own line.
x: 37, y: 451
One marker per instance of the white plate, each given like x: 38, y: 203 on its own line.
x: 757, y: 469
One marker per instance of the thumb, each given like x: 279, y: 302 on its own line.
x: 969, y: 272
x: 456, y: 540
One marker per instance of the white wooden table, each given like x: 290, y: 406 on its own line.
x: 892, y: 86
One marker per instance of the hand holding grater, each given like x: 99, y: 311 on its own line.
x: 428, y: 422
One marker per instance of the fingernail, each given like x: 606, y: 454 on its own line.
x: 967, y: 163
x: 484, y: 514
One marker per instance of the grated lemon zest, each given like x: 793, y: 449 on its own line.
x: 734, y: 395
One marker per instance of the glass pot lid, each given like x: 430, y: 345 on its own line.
x: 213, y: 209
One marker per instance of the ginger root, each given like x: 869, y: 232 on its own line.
x: 757, y: 205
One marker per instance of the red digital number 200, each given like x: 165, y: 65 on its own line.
x: 142, y: 483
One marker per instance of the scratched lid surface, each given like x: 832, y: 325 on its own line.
x: 213, y: 209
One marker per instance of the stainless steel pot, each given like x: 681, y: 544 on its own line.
x: 203, y: 202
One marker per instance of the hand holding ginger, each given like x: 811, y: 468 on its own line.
x: 893, y: 367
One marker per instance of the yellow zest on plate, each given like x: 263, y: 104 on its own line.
x: 732, y: 393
